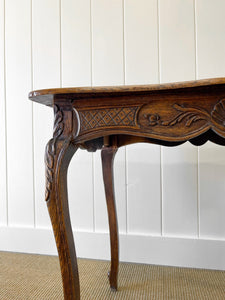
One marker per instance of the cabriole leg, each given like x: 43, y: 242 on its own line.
x: 108, y: 154
x: 57, y: 158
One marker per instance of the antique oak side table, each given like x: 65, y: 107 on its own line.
x: 107, y: 118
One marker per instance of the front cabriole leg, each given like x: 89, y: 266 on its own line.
x: 59, y: 152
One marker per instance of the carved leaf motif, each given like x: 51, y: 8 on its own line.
x: 190, y: 114
x: 58, y: 122
x: 187, y: 114
x: 50, y: 150
x: 49, y: 163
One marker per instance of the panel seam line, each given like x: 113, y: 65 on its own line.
x: 32, y: 108
x: 6, y: 140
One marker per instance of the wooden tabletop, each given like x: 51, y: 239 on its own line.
x: 46, y: 96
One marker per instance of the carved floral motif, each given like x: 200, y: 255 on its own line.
x: 153, y: 119
x: 51, y: 149
x: 189, y: 115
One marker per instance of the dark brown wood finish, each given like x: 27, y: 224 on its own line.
x: 108, y: 154
x: 59, y: 152
x: 110, y: 117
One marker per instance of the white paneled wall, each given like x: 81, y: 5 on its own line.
x: 3, y: 170
x: 211, y: 63
x: 18, y: 78
x: 143, y: 161
x: 46, y: 73
x: 170, y: 201
x: 141, y: 48
x: 179, y: 165
x: 76, y: 43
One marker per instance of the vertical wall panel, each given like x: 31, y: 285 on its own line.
x: 80, y: 191
x: 143, y: 161
x: 212, y: 191
x: 100, y: 210
x: 19, y: 112
x: 46, y: 43
x: 76, y: 71
x: 210, y: 23
x: 177, y: 40
x: 107, y: 37
x: 107, y: 68
x: 179, y: 165
x: 3, y: 187
x: 46, y: 73
x: 143, y: 189
x: 180, y: 215
x: 76, y: 43
x: 141, y: 41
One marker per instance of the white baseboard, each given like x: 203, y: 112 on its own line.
x: 171, y: 251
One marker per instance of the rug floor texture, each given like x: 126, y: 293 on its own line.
x: 37, y: 277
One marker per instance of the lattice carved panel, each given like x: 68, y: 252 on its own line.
x: 96, y: 118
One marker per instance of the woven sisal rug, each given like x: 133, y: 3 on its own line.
x: 37, y: 277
